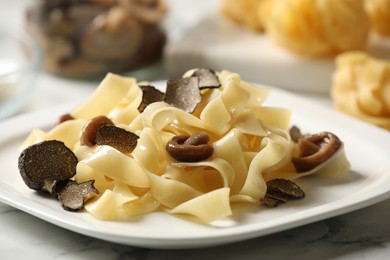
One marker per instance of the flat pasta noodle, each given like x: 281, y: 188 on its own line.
x: 171, y: 193
x: 318, y: 28
x: 361, y: 87
x: 116, y: 165
x: 250, y: 141
x: 276, y: 148
x: 104, y: 100
x: 234, y: 141
x: 220, y: 166
x: 67, y: 132
x: 207, y: 207
x: 116, y: 206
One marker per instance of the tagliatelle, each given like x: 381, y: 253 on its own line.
x: 318, y: 28
x: 243, y: 13
x: 379, y: 13
x: 250, y: 141
x: 67, y: 132
x: 361, y: 87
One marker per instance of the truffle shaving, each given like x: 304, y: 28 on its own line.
x: 207, y: 78
x: 183, y: 93
x: 295, y: 133
x: 116, y: 137
x: 73, y: 195
x: 42, y: 164
x: 270, y: 202
x: 149, y: 95
x: 281, y: 190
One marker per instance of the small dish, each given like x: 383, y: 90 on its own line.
x: 20, y: 60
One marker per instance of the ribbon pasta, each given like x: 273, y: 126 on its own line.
x: 250, y: 142
x: 361, y: 87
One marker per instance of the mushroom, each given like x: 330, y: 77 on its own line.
x: 63, y: 118
x: 190, y: 148
x: 112, y: 35
x: 313, y: 150
x: 148, y: 11
x: 90, y: 129
x: 88, y: 38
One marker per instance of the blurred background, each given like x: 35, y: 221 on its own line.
x: 57, y: 67
x: 45, y: 61
x: 65, y: 47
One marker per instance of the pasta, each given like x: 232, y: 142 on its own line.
x: 243, y: 12
x: 313, y: 28
x: 251, y: 145
x: 379, y: 13
x: 361, y: 87
x: 318, y: 28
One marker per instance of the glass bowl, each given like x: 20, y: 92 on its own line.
x: 20, y: 61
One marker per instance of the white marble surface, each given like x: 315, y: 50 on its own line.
x: 362, y: 234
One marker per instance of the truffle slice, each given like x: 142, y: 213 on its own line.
x: 50, y: 186
x: 285, y: 187
x: 116, y: 137
x: 281, y: 190
x: 295, y: 133
x: 270, y: 202
x: 207, y: 78
x: 183, y: 93
x: 149, y: 95
x: 73, y: 195
x: 42, y: 164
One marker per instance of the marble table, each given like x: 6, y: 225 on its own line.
x: 362, y: 234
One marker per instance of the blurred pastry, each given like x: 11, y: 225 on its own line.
x: 361, y: 87
x: 264, y: 11
x: 379, y: 13
x: 318, y: 28
x: 243, y: 12
x: 92, y: 37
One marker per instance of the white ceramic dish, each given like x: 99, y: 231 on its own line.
x: 367, y: 148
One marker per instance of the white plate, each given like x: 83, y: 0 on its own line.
x: 367, y: 148
x: 216, y: 43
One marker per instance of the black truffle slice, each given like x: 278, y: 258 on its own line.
x: 207, y: 78
x: 183, y: 93
x: 295, y: 134
x: 42, y: 164
x: 150, y: 95
x: 280, y: 197
x: 116, y: 137
x: 50, y: 186
x: 281, y: 190
x: 270, y: 202
x: 73, y: 195
x: 285, y: 187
